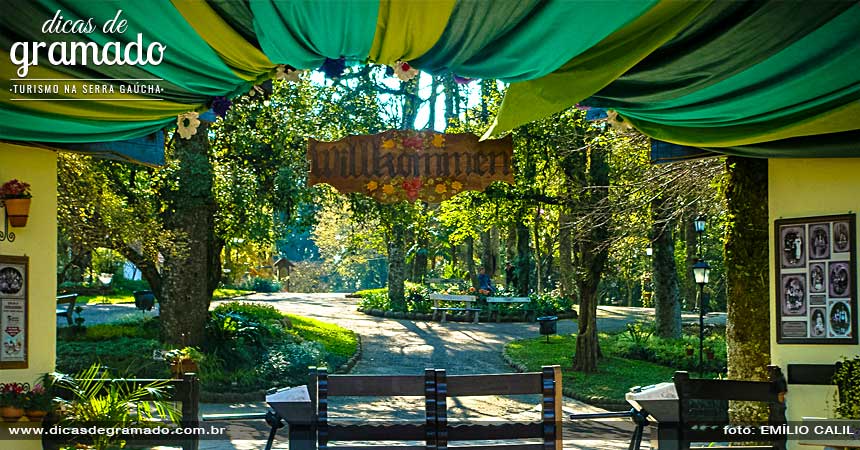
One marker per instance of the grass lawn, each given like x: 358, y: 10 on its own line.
x: 615, y: 375
x: 127, y: 297
x: 337, y: 340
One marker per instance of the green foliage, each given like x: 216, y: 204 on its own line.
x: 252, y: 311
x: 847, y: 381
x: 290, y: 361
x: 550, y: 303
x: 670, y: 352
x: 116, y: 404
x: 259, y: 284
x: 146, y: 329
x: 615, y: 375
x: 127, y: 357
x: 639, y: 332
x: 336, y: 340
x: 375, y: 299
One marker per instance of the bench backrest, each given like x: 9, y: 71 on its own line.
x: 509, y: 300
x: 703, y: 407
x: 435, y: 386
x: 67, y: 298
x: 454, y: 298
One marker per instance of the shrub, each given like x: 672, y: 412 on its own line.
x: 375, y: 300
x: 550, y: 303
x: 258, y: 284
x: 253, y: 311
x: 672, y: 352
x: 129, y: 357
x: 286, y: 364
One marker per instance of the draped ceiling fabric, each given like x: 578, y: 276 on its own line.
x: 754, y: 78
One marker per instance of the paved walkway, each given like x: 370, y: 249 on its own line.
x: 406, y: 347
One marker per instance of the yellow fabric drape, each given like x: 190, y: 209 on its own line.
x: 407, y: 29
x: 246, y: 61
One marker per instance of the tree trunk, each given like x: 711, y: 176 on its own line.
x: 487, y: 255
x: 187, y: 274
x: 593, y: 251
x: 523, y: 259
x: 511, y: 244
x: 538, y: 262
x: 667, y: 308
x: 565, y: 262
x: 747, y: 289
x: 397, y: 267
x: 469, y: 256
x: 419, y: 265
x: 690, y: 288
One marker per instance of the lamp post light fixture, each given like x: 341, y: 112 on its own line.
x: 699, y: 223
x: 701, y: 272
x: 649, y: 251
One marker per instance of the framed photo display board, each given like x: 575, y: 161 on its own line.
x: 14, y: 307
x: 816, y: 280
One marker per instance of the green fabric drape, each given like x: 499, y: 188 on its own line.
x: 555, y: 32
x: 586, y: 74
x: 835, y: 145
x: 473, y: 25
x: 55, y: 128
x: 303, y: 33
x: 407, y: 29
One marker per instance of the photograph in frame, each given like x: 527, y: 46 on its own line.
x: 13, y: 281
x: 793, y: 295
x: 839, y: 280
x: 817, y: 278
x: 841, y: 237
x: 792, y: 248
x: 819, y: 241
x: 817, y: 322
x: 839, y: 319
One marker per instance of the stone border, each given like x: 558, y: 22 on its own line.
x: 260, y: 395
x: 594, y: 400
x: 451, y: 318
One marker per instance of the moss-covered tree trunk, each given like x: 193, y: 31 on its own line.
x: 523, y: 259
x: 690, y: 289
x: 667, y: 307
x: 469, y: 259
x: 565, y: 261
x: 746, y: 260
x: 397, y: 266
x: 488, y: 253
x: 187, y: 271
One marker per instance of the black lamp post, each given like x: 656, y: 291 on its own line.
x: 701, y: 272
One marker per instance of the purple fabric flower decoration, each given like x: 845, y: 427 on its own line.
x: 220, y: 105
x: 462, y: 80
x: 333, y: 68
x: 389, y: 71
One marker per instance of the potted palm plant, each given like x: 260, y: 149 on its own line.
x: 16, y: 198
x: 183, y: 360
x: 112, y: 404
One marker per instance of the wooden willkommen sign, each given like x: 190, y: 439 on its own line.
x: 407, y: 165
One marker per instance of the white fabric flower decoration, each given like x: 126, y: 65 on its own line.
x: 617, y: 122
x: 187, y: 124
x: 282, y: 72
x: 404, y: 71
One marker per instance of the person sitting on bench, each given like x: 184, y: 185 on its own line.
x: 484, y: 282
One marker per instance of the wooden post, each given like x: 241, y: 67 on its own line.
x: 441, y: 409
x: 552, y: 414
x: 430, y: 408
x: 190, y: 397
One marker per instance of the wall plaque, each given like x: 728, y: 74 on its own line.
x: 14, y: 296
x: 816, y: 280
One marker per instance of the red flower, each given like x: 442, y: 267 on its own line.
x: 412, y: 187
x: 414, y: 142
x: 404, y: 66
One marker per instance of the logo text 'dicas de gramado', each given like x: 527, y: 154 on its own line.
x: 60, y: 53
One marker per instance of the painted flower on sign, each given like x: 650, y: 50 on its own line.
x: 456, y: 185
x: 412, y: 187
x: 387, y: 143
x: 404, y: 71
x: 186, y: 124
x: 388, y: 189
x: 372, y: 185
x: 438, y: 140
x: 441, y: 188
x: 414, y: 142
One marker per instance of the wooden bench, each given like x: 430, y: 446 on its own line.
x: 497, y: 302
x: 435, y: 431
x: 703, y: 411
x: 66, y: 311
x: 466, y: 299
x: 185, y: 390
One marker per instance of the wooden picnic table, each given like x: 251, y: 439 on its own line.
x: 467, y: 301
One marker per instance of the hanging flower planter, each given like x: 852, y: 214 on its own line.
x: 16, y: 199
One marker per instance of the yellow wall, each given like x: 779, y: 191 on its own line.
x: 802, y: 188
x: 38, y: 241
